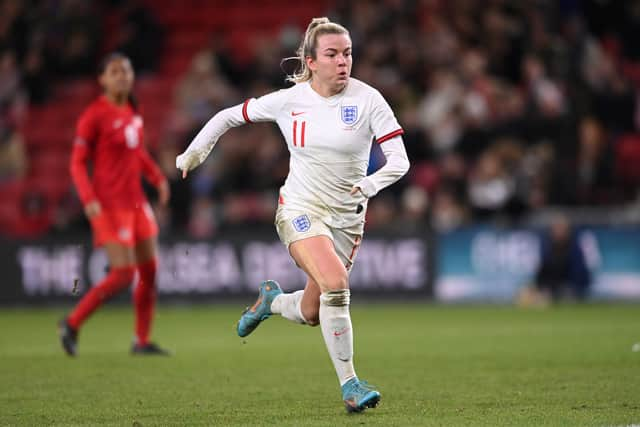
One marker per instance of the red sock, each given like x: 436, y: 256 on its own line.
x: 144, y: 300
x: 117, y: 280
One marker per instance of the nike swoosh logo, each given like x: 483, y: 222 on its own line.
x: 293, y: 113
x: 342, y: 332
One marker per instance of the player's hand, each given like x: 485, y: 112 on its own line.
x: 92, y: 209
x: 187, y: 161
x: 356, y: 190
x: 164, y: 193
x: 365, y: 187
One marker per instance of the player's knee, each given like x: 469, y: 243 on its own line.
x: 335, y: 282
x: 116, y: 281
x: 125, y: 275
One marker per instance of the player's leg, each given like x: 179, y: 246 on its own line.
x: 144, y: 297
x: 112, y: 230
x: 145, y: 291
x: 290, y: 226
x: 300, y: 306
x: 310, y: 303
x: 119, y: 277
x: 346, y: 245
x: 318, y: 258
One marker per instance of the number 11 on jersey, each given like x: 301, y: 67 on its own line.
x: 303, y: 124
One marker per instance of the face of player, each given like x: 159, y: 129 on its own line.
x: 117, y: 78
x: 332, y: 66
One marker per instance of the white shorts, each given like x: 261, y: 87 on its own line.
x: 294, y: 225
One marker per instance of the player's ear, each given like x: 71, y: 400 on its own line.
x: 311, y: 64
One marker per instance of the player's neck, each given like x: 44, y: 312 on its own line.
x: 118, y: 99
x: 326, y: 91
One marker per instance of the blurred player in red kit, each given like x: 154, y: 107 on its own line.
x: 109, y: 135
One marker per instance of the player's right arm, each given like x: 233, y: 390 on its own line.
x: 86, y: 132
x: 263, y: 109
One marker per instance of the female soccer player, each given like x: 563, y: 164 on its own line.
x: 329, y: 121
x: 110, y: 134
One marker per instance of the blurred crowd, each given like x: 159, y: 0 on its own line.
x: 508, y: 106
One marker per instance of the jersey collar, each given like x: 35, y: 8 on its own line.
x: 332, y: 100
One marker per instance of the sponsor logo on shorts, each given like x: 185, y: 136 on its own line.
x: 302, y: 223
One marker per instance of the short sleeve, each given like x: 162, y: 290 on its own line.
x: 264, y: 109
x: 86, y: 128
x: 384, y: 124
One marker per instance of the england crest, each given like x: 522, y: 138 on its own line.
x: 349, y: 114
x: 301, y: 223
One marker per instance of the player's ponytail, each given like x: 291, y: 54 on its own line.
x: 316, y: 28
x: 115, y: 56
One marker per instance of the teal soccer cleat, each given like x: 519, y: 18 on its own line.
x: 261, y: 310
x: 358, y: 395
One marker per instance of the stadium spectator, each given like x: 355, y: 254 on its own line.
x: 73, y: 38
x: 140, y: 37
x: 563, y: 270
x: 110, y: 135
x: 447, y: 212
x: 14, y: 28
x: 13, y: 155
x: 13, y: 158
x: 13, y: 101
x: 174, y: 214
x: 200, y: 93
x: 35, y: 76
x: 203, y: 220
x: 231, y: 69
x: 491, y: 187
x: 587, y: 178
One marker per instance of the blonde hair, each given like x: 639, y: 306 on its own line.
x: 316, y: 28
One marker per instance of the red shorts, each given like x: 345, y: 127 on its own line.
x: 124, y: 226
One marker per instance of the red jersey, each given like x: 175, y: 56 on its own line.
x: 111, y: 137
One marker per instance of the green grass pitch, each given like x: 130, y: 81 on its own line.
x: 434, y: 365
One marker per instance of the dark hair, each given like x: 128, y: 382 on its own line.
x: 116, y: 56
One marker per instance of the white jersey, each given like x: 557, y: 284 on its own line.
x: 329, y: 140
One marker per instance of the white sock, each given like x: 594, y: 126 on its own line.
x: 335, y: 323
x: 288, y: 305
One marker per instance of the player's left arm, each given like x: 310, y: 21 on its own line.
x: 152, y: 173
x: 389, y: 135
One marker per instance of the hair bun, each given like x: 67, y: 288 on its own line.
x: 318, y: 21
